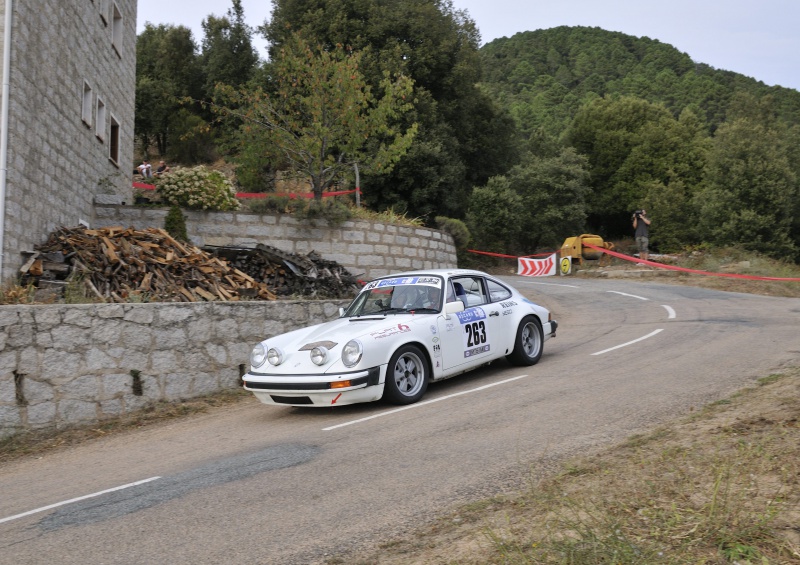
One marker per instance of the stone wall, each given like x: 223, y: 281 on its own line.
x: 59, y: 154
x: 366, y: 248
x: 70, y: 364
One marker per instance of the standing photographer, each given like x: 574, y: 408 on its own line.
x: 640, y: 225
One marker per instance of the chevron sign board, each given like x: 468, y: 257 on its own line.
x: 546, y: 267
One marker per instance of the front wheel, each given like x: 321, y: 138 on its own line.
x: 529, y: 342
x: 406, y: 376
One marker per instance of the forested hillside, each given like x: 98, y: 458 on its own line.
x: 713, y: 154
x: 528, y: 139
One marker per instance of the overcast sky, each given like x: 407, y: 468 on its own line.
x: 757, y: 38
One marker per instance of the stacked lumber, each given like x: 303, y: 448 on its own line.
x: 119, y: 264
x: 291, y: 274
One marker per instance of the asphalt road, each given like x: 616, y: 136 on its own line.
x: 256, y: 484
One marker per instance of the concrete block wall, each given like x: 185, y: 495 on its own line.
x: 71, y: 364
x: 365, y: 248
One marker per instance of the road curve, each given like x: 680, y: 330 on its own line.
x: 256, y: 484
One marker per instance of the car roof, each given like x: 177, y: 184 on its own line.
x: 446, y: 273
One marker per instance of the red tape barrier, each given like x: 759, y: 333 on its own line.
x: 509, y: 256
x: 291, y: 195
x: 685, y: 270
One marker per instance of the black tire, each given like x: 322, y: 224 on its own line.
x: 529, y: 342
x: 406, y: 376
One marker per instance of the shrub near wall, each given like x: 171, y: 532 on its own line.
x: 69, y: 364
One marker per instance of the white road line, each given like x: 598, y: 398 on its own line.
x: 70, y: 501
x: 421, y: 404
x: 626, y: 294
x: 670, y: 311
x: 651, y: 334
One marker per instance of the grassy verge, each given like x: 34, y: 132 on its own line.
x: 722, y: 486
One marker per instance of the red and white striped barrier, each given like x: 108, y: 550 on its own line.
x: 537, y: 267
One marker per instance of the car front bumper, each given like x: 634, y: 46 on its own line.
x: 336, y: 389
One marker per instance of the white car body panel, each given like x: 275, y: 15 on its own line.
x: 453, y: 342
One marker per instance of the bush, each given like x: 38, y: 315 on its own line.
x: 175, y: 224
x: 277, y: 204
x: 332, y: 211
x: 455, y: 228
x: 197, y: 188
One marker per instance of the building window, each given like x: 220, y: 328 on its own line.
x: 100, y: 130
x: 86, y: 108
x: 113, y: 146
x: 116, y: 29
x: 103, y: 7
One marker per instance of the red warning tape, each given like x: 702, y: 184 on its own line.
x: 291, y: 195
x: 685, y: 270
x: 508, y: 256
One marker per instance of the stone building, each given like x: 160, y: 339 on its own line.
x: 66, y: 115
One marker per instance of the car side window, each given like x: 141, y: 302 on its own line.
x: 497, y: 292
x: 470, y: 290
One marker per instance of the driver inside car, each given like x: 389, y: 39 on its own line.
x: 416, y: 298
x: 428, y: 298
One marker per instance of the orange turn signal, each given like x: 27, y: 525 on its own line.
x: 341, y: 384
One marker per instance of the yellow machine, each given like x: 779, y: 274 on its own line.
x: 574, y: 247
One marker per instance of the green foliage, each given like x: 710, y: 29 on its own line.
x: 464, y: 136
x: 197, y: 188
x: 330, y: 210
x: 495, y: 216
x: 191, y: 138
x: 554, y: 192
x: 631, y: 144
x: 751, y: 191
x: 456, y: 228
x: 279, y: 204
x: 322, y: 118
x: 175, y: 223
x: 228, y: 55
x: 166, y: 70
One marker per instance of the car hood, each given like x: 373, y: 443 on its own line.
x: 375, y: 333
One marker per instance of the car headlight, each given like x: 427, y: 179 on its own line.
x: 258, y: 356
x: 352, y: 352
x: 275, y: 356
x: 319, y: 355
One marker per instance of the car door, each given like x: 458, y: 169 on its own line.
x: 468, y: 338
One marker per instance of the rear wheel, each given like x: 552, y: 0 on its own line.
x: 406, y: 376
x: 528, y: 344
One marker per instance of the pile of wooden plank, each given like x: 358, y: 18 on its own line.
x: 119, y: 264
x: 291, y: 274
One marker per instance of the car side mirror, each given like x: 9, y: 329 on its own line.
x: 341, y: 312
x: 453, y: 307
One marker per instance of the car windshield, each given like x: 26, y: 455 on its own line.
x: 398, y: 295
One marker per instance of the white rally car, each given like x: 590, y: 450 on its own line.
x: 400, y: 333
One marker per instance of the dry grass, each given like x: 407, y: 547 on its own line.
x: 720, y: 487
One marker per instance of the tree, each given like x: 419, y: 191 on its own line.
x: 228, y: 55
x: 166, y: 70
x: 463, y: 139
x: 495, y: 216
x: 751, y: 190
x: 320, y: 118
x: 553, y: 192
x: 632, y: 143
